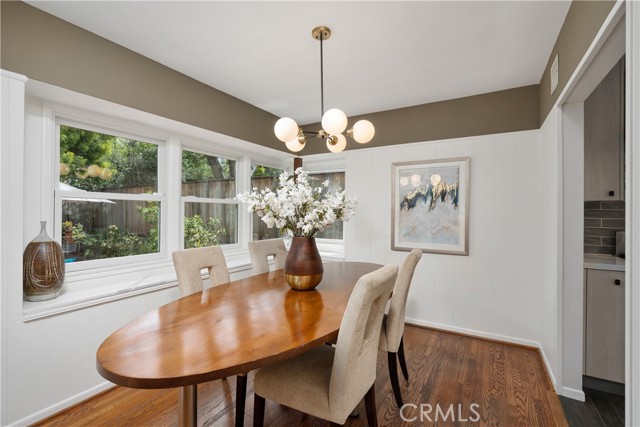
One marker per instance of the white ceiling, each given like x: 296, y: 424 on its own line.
x: 382, y: 55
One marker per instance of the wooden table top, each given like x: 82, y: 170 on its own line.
x: 228, y: 329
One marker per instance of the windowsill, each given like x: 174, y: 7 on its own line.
x: 75, y: 296
x: 78, y: 299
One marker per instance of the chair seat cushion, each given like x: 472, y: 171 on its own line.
x: 301, y: 382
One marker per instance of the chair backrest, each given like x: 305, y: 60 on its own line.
x: 395, y: 319
x: 354, y: 363
x: 260, y: 252
x: 189, y: 264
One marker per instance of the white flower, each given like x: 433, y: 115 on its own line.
x: 297, y: 207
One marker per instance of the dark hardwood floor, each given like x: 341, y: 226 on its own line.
x: 447, y: 371
x: 600, y: 409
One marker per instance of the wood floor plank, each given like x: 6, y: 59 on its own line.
x: 447, y: 374
x: 581, y: 414
x: 603, y: 403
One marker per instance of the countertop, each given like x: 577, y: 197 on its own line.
x: 604, y: 262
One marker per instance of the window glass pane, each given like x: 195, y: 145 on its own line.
x: 208, y: 176
x: 210, y: 224
x: 263, y: 177
x: 96, y: 161
x: 97, y: 229
x: 336, y: 183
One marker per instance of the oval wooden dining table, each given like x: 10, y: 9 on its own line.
x: 227, y: 330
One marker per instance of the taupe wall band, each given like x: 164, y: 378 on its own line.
x: 54, y: 51
x: 496, y: 112
x: 51, y: 50
x: 580, y: 27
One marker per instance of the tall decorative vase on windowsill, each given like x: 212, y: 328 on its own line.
x: 42, y: 267
x: 303, y: 266
x: 302, y: 211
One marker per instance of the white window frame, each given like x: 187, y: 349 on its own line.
x: 330, y: 249
x: 205, y: 149
x: 60, y: 195
x: 265, y: 164
x: 326, y: 241
x: 115, y: 280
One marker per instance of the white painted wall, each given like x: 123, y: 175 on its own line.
x: 551, y: 206
x: 573, y: 253
x: 50, y: 363
x: 506, y: 287
x: 46, y: 364
x: 11, y: 135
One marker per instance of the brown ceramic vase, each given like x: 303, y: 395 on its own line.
x: 303, y: 266
x: 42, y: 267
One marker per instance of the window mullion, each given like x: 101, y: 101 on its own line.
x: 243, y: 182
x: 49, y: 161
x: 173, y: 211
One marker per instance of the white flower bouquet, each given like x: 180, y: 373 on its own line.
x: 297, y: 207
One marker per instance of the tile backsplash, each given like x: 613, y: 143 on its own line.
x: 601, y: 221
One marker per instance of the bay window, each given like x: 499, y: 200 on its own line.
x: 122, y: 190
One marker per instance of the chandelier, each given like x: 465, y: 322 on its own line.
x: 334, y: 121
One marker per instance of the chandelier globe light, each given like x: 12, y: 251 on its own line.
x: 337, y: 146
x: 334, y: 121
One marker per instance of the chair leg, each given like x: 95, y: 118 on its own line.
x: 355, y: 413
x: 258, y: 411
x: 393, y: 376
x: 241, y: 396
x: 370, y: 405
x: 403, y: 362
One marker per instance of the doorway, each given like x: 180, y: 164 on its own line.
x: 572, y: 298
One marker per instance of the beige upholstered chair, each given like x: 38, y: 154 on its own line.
x: 329, y: 382
x: 189, y: 264
x: 261, y: 250
x: 393, y: 323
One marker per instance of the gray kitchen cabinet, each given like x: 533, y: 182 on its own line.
x: 604, y: 329
x: 604, y: 138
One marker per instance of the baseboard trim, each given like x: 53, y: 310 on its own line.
x: 600, y: 384
x: 60, y: 406
x: 547, y: 365
x: 572, y: 393
x: 498, y: 338
x: 475, y: 333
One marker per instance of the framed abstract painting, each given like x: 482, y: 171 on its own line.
x: 430, y: 206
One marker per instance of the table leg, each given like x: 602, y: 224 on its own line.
x: 188, y: 406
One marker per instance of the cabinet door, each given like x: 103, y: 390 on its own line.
x: 604, y: 345
x: 604, y: 138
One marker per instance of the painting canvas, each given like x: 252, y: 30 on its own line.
x: 430, y: 206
